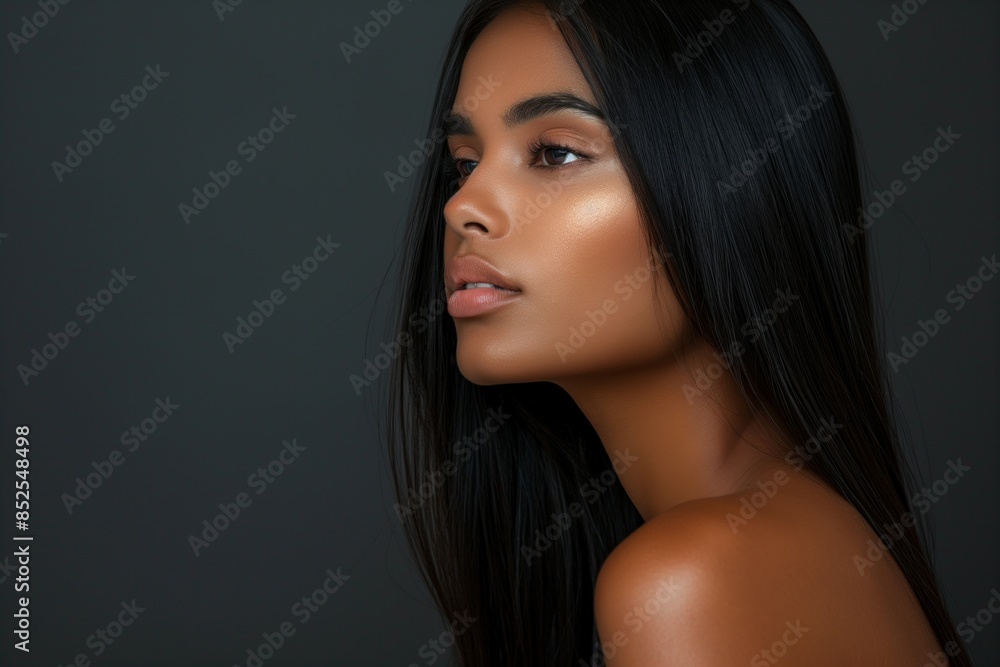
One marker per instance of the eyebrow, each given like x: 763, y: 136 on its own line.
x: 527, y: 109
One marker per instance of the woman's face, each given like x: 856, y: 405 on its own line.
x: 561, y: 225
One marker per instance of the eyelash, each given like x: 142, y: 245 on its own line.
x: 535, y: 149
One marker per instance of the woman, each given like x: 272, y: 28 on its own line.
x: 654, y: 427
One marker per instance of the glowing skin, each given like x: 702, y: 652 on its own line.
x: 570, y: 254
x: 582, y: 248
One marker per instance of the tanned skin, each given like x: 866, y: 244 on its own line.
x: 692, y: 586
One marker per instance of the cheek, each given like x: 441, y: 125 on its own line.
x: 593, y: 288
x: 589, y: 301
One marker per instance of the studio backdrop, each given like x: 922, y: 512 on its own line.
x: 203, y: 202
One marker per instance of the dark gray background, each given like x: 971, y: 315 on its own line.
x: 324, y: 175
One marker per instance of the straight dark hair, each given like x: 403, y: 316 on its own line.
x: 695, y: 101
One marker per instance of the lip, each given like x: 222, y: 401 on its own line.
x: 463, y: 269
x: 478, y: 301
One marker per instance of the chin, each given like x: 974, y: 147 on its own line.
x: 484, y: 374
x: 487, y: 363
x: 479, y: 369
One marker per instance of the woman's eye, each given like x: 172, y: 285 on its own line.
x: 546, y: 156
x: 557, y: 153
x: 458, y: 166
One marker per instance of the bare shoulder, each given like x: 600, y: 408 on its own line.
x: 685, y: 589
x: 750, y: 579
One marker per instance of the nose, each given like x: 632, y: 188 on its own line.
x: 479, y: 207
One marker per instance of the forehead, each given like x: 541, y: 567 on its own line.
x: 524, y: 52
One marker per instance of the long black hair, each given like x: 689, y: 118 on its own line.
x: 737, y: 140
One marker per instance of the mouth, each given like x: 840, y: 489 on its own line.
x: 476, y: 287
x: 473, y: 299
x: 468, y: 273
x: 468, y: 286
